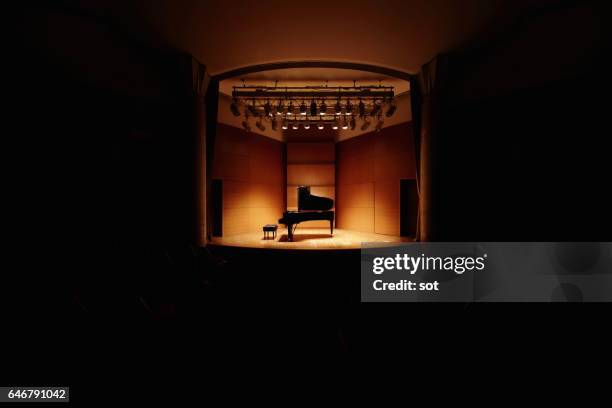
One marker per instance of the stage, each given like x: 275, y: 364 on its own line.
x: 307, y: 239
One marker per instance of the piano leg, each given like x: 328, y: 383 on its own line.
x: 290, y: 231
x: 331, y: 227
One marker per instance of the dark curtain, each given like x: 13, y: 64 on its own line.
x: 415, y: 103
x: 427, y: 97
x: 212, y: 107
x: 199, y: 91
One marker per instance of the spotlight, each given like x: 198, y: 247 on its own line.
x: 375, y: 109
x: 362, y: 109
x: 295, y: 126
x: 303, y: 108
x: 252, y: 108
x: 353, y: 123
x: 245, y: 123
x: 366, y: 124
x: 306, y: 125
x: 323, y: 109
x: 349, y: 107
x: 267, y: 108
x: 313, y: 108
x: 234, y: 108
x: 380, y: 123
x: 338, y: 108
x: 321, y: 126
x: 285, y: 126
x: 392, y: 109
x: 274, y: 124
x: 345, y: 124
x: 335, y: 125
x: 280, y: 108
x: 260, y: 125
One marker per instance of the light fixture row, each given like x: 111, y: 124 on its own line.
x: 361, y: 109
x: 295, y: 107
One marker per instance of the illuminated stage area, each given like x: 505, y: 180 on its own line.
x: 307, y: 238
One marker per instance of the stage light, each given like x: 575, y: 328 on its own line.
x: 267, y: 108
x: 235, y: 108
x: 366, y: 124
x: 375, y: 109
x: 392, y: 109
x: 252, y: 108
x: 245, y: 122
x: 349, y: 107
x: 260, y: 125
x: 362, y: 109
x: 345, y: 124
x: 313, y: 108
x: 380, y: 123
x: 307, y: 105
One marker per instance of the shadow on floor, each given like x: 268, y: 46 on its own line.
x: 303, y: 237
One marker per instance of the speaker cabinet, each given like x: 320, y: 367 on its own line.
x: 217, y: 207
x: 409, y: 207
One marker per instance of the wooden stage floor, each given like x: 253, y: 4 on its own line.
x: 307, y: 238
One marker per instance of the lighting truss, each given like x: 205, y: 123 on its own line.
x: 313, y: 106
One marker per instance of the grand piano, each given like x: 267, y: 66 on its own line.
x: 310, y: 208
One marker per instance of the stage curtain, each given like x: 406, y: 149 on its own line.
x: 211, y: 102
x: 428, y: 96
x: 415, y: 102
x: 199, y: 86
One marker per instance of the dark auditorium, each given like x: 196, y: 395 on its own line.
x: 197, y: 185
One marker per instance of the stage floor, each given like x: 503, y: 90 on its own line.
x: 307, y: 238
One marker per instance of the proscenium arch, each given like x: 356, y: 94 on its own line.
x: 212, y: 97
x: 237, y: 72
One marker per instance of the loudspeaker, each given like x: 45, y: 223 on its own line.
x: 409, y: 207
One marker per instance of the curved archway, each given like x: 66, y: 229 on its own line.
x: 313, y: 64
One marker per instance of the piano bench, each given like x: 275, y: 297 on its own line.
x: 270, y: 228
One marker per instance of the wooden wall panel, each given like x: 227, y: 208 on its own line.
x: 386, y: 221
x: 265, y: 170
x: 263, y: 195
x: 231, y: 142
x: 234, y: 193
x: 311, y: 174
x: 252, y: 169
x: 311, y: 164
x: 309, y: 153
x: 356, y: 218
x: 236, y: 221
x: 260, y: 216
x: 356, y: 195
x: 392, y: 167
x: 387, y: 194
x: 356, y: 169
x: 229, y: 166
x: 369, y: 168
